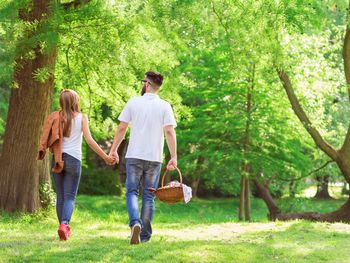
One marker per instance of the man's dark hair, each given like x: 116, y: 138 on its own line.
x: 155, y: 77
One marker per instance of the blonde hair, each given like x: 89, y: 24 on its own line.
x: 69, y: 103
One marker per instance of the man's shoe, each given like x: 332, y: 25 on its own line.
x: 135, y: 234
x: 64, y: 232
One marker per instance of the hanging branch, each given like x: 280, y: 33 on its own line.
x: 308, y: 174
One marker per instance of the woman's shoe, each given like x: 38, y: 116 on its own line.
x: 64, y: 232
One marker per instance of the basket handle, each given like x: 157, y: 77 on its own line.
x: 166, y: 173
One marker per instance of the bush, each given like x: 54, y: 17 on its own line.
x: 99, y: 182
x: 47, y: 196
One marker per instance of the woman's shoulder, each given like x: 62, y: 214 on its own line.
x: 83, y: 116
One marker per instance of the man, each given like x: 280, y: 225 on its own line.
x: 149, y: 117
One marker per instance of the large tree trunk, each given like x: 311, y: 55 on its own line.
x: 322, y: 188
x: 30, y: 104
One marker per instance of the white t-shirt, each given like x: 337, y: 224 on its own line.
x: 72, y: 144
x: 148, y: 115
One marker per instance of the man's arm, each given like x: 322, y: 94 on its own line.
x: 171, y: 141
x: 118, y: 138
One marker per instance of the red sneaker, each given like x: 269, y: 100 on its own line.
x: 64, y: 232
x: 69, y: 231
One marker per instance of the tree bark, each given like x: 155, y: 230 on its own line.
x: 299, y: 111
x: 322, y: 188
x: 340, y: 215
x: 241, y: 199
x: 247, y: 200
x: 29, y: 106
x: 264, y: 193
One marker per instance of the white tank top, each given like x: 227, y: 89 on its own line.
x: 72, y: 144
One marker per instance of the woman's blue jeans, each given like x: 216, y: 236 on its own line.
x: 66, y: 185
x: 146, y: 173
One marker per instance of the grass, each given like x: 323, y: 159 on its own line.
x: 201, y: 231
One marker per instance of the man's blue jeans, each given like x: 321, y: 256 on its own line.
x: 66, y: 184
x: 147, y: 172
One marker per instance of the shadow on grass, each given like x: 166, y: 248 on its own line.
x: 301, y: 242
x: 112, y: 209
x: 197, y: 211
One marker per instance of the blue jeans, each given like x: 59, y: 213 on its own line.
x: 149, y: 172
x: 66, y: 185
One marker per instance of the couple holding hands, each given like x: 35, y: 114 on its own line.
x: 149, y: 117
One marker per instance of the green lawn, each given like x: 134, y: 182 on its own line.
x: 201, y: 231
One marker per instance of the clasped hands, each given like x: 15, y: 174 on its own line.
x: 113, y: 158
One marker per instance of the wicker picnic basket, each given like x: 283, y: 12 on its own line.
x: 170, y: 194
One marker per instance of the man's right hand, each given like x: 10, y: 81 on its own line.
x: 172, y: 164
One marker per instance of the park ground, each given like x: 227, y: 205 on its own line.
x: 201, y: 231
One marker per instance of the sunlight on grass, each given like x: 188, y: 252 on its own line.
x: 202, y: 231
x: 334, y: 190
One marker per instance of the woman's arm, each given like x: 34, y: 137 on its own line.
x: 91, y: 142
x: 118, y: 138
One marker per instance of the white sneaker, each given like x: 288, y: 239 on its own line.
x: 135, y: 234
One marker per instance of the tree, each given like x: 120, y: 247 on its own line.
x: 340, y: 156
x: 30, y: 104
x: 217, y: 57
x: 52, y: 45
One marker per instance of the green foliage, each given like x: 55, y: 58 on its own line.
x: 47, y: 196
x: 213, y: 54
x: 41, y: 75
x: 97, y: 181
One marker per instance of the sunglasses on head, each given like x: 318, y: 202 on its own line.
x: 146, y: 81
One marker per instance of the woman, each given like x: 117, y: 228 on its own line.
x: 63, y: 134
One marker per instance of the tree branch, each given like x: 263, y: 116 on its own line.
x: 269, y: 181
x: 308, y: 174
x: 298, y: 110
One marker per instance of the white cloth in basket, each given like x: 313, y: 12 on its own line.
x: 186, y: 190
